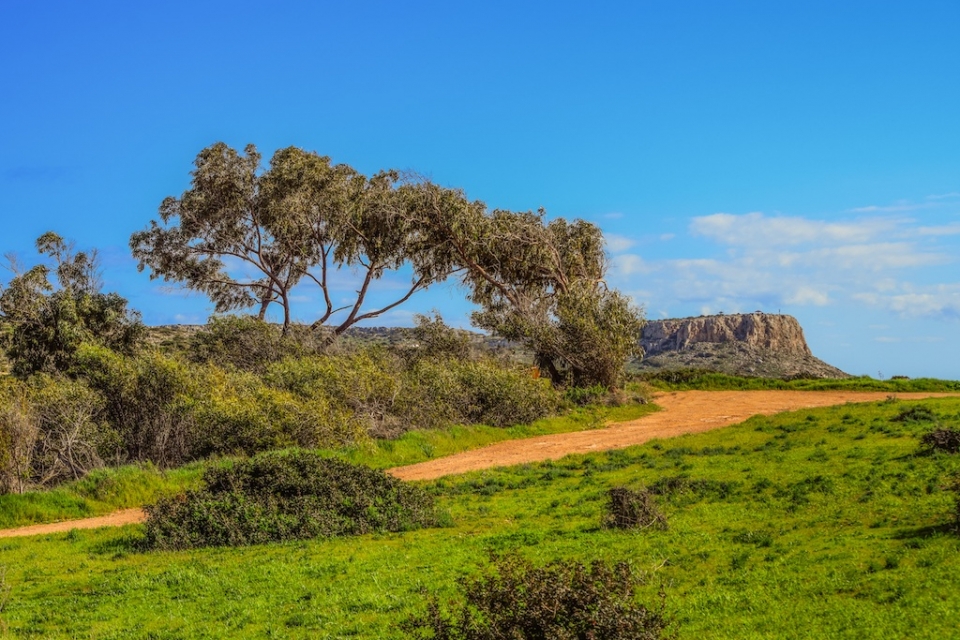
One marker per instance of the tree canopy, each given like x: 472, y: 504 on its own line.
x: 49, y: 320
x: 539, y: 283
x: 246, y: 236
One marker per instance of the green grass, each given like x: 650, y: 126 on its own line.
x: 689, y: 379
x: 107, y: 490
x: 102, y: 491
x: 826, y: 523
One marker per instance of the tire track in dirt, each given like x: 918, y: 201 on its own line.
x: 683, y: 412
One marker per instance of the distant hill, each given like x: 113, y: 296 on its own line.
x: 176, y: 337
x: 751, y: 344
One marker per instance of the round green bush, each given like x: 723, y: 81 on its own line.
x: 286, y: 495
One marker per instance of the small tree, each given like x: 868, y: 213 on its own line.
x: 49, y: 321
x: 538, y: 283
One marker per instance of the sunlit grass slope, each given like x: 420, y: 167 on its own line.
x: 826, y: 523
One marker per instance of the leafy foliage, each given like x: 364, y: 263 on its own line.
x: 146, y: 401
x: 561, y: 601
x: 301, y: 218
x: 538, y: 283
x: 49, y: 323
x: 286, y: 495
x: 247, y: 343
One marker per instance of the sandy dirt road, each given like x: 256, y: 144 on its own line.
x: 683, y: 412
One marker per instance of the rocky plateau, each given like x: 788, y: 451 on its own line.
x: 751, y: 344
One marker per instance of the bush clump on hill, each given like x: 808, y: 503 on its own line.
x: 629, y: 509
x: 560, y: 600
x: 942, y: 439
x: 286, y: 495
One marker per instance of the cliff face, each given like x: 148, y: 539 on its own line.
x: 757, y: 344
x: 777, y: 332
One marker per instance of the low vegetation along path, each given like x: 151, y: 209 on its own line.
x: 683, y: 412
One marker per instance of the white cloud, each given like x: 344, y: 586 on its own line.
x: 938, y: 301
x: 900, y: 207
x: 616, y: 215
x: 758, y: 230
x: 629, y: 264
x: 772, y: 262
x: 617, y: 243
x: 808, y: 296
x: 664, y: 237
x: 944, y: 196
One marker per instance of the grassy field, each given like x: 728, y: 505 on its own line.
x: 827, y: 523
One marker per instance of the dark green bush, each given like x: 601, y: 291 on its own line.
x: 561, y: 601
x: 629, y: 509
x: 918, y: 413
x: 286, y: 495
x: 942, y: 439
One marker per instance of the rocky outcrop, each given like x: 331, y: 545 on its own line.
x: 760, y: 344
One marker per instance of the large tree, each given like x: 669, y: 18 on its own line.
x: 246, y: 236
x: 537, y: 282
x: 49, y: 319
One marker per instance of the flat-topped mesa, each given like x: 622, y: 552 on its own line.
x: 780, y: 333
x: 748, y: 344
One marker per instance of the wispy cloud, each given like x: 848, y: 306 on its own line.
x: 765, y: 262
x: 940, y: 230
x: 939, y: 301
x: 759, y: 230
x: 902, y: 207
x: 617, y: 243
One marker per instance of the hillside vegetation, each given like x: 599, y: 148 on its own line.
x: 822, y: 523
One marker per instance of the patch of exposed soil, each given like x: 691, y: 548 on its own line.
x: 683, y: 412
x: 115, y: 519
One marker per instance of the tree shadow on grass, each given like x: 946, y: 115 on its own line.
x: 120, y: 545
x: 931, y: 531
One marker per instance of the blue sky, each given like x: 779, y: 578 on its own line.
x: 792, y: 156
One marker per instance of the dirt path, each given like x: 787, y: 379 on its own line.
x: 683, y: 412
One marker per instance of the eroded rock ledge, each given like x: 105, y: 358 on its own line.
x: 760, y: 344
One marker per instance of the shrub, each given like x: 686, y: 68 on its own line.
x: 436, y: 340
x: 146, y: 401
x: 19, y: 431
x: 629, y: 509
x: 362, y: 387
x: 918, y: 413
x: 244, y: 342
x: 71, y: 439
x: 484, y: 391
x: 237, y: 412
x: 942, y: 439
x: 559, y: 601
x: 286, y: 495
